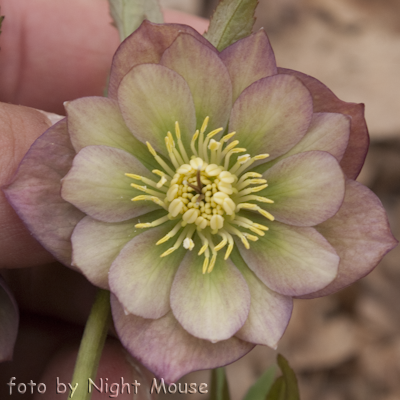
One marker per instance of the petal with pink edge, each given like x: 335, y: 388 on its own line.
x: 141, y: 278
x: 96, y: 244
x: 35, y: 192
x: 360, y: 233
x: 145, y: 45
x: 249, y: 60
x: 307, y: 188
x: 167, y: 350
x: 98, y: 121
x: 211, y: 306
x: 291, y: 260
x: 272, y: 115
x: 152, y: 98
x: 325, y: 101
x: 327, y: 132
x: 9, y: 320
x: 97, y: 184
x: 269, y: 313
x: 207, y: 77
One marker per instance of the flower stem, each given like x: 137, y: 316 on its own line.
x: 91, y: 347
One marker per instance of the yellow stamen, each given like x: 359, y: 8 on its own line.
x: 152, y: 224
x: 205, y: 263
x: 250, y: 162
x: 170, y: 234
x: 180, y: 144
x: 146, y: 190
x: 255, y: 189
x: 177, y: 243
x: 163, y: 164
x: 248, y: 182
x: 249, y: 175
x: 147, y: 181
x: 228, y: 156
x: 256, y: 198
x: 212, y: 263
x: 192, y: 143
x: 154, y: 199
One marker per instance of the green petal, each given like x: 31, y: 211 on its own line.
x: 207, y: 77
x: 152, y: 97
x: 327, y: 132
x: 291, y: 260
x: 140, y: 278
x: 97, y: 184
x: 211, y: 306
x: 249, y: 60
x: 361, y: 235
x: 98, y: 121
x: 167, y: 350
x: 272, y: 115
x: 96, y: 244
x: 307, y: 188
x: 269, y: 313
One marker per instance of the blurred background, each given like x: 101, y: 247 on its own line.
x: 345, y: 346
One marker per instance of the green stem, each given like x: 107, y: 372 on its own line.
x: 91, y: 347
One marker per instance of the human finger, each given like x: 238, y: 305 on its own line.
x: 54, y: 51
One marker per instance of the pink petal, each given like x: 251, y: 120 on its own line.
x: 207, y: 77
x: 327, y: 132
x: 325, y: 101
x: 249, y: 60
x: 96, y: 244
x: 269, y: 313
x: 97, y: 184
x: 145, y: 45
x: 291, y: 260
x: 140, y: 278
x: 307, y: 188
x: 360, y: 233
x: 98, y: 121
x: 35, y: 192
x: 152, y: 98
x: 211, y: 306
x: 165, y: 348
x: 271, y: 115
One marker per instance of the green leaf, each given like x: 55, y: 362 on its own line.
x: 278, y: 390
x: 232, y: 20
x: 285, y: 387
x: 260, y: 389
x: 219, y: 385
x: 129, y: 14
x: 292, y: 389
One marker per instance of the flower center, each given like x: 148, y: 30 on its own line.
x: 205, y: 193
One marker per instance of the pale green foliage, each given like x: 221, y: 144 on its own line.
x: 260, y: 389
x: 285, y: 387
x: 231, y: 21
x: 129, y: 14
x: 219, y: 385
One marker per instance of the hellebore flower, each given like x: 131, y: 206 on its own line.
x: 207, y: 191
